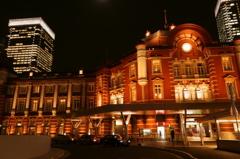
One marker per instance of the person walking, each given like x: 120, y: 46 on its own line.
x: 173, y: 136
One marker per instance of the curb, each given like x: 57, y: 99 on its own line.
x: 178, y: 152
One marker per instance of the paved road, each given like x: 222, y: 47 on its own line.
x: 151, y: 150
x: 109, y: 152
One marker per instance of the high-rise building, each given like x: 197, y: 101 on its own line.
x: 30, y: 45
x: 228, y: 19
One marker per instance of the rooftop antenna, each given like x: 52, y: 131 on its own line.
x: 165, y: 15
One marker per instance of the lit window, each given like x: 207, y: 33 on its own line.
x: 48, y: 105
x: 156, y: 67
x: 62, y: 105
x: 36, y: 89
x: 133, y: 94
x: 227, y: 63
x: 157, y: 91
x: 34, y: 105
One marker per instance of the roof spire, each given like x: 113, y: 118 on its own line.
x: 165, y: 15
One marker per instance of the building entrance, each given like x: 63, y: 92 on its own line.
x: 161, y: 132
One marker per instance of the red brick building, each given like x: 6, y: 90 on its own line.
x: 172, y: 77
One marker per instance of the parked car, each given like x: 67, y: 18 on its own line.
x: 63, y: 139
x: 114, y: 140
x: 89, y: 139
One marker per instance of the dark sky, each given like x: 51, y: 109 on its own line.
x: 86, y: 29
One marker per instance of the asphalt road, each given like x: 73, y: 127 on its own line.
x: 76, y: 151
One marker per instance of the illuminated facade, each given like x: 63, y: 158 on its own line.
x: 227, y: 15
x: 172, y: 78
x: 30, y: 45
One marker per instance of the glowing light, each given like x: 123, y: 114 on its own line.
x: 30, y: 74
x: 119, y: 122
x: 32, y: 21
x: 187, y: 47
x: 147, y: 33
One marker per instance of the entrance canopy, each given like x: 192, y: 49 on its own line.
x: 110, y: 111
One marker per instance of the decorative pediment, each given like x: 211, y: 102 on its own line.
x: 229, y: 78
x: 157, y: 78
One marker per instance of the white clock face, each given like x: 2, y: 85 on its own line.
x: 186, y: 47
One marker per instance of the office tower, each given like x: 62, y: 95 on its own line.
x: 30, y: 45
x: 228, y: 18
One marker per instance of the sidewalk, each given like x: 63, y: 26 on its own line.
x: 194, y: 150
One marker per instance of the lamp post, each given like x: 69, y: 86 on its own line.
x: 233, y: 109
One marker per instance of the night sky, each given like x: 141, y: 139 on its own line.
x: 87, y: 29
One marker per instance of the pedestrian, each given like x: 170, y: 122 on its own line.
x: 173, y: 136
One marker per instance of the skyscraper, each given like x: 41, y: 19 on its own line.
x: 228, y: 19
x: 30, y: 45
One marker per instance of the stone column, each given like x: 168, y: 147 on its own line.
x: 69, y: 98
x: 113, y: 127
x: 40, y: 110
x: 83, y: 95
x: 142, y: 67
x: 14, y: 101
x: 29, y: 90
x: 55, y: 98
